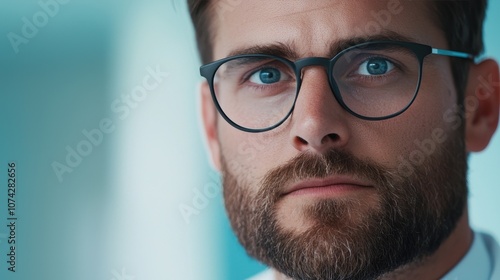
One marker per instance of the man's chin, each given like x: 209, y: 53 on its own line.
x: 297, y: 216
x: 329, y: 235
x: 326, y: 210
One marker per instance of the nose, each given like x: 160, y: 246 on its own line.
x: 318, y: 122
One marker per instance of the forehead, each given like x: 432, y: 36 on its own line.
x: 311, y: 27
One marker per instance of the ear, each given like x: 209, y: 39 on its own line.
x: 209, y: 116
x: 482, y: 102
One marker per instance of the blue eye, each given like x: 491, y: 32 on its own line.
x: 375, y: 66
x: 266, y: 76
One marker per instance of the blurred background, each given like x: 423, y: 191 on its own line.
x: 99, y: 112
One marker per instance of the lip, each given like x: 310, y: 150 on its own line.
x: 331, y: 185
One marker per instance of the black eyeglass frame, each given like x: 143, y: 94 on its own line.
x: 209, y: 70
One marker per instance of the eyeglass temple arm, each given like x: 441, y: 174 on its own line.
x: 453, y: 53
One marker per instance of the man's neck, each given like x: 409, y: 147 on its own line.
x: 447, y: 256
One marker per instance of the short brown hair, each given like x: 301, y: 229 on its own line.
x: 461, y: 20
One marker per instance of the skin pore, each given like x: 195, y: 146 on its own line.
x: 319, y: 125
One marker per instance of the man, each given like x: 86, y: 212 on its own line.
x: 342, y: 129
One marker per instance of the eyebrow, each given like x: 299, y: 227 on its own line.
x: 288, y: 49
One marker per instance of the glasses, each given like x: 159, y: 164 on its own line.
x: 372, y: 81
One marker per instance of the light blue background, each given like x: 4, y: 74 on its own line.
x: 117, y: 213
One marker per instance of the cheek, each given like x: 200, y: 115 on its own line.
x: 420, y: 130
x: 249, y: 155
x: 435, y: 103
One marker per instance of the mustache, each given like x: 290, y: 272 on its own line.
x: 334, y: 162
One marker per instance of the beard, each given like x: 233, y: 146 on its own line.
x: 345, y: 237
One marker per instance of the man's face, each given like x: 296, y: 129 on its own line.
x: 327, y: 195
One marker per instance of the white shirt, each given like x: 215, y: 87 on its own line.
x: 482, y: 262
